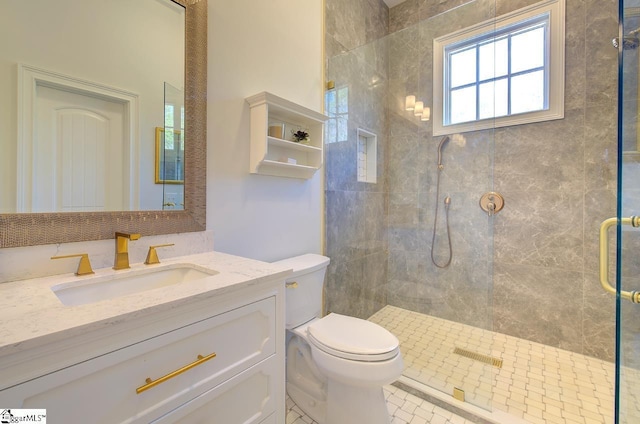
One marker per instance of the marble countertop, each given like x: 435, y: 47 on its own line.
x: 31, y: 314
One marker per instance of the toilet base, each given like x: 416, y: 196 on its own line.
x: 348, y: 405
x: 313, y: 408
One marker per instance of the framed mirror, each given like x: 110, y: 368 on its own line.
x: 27, y: 229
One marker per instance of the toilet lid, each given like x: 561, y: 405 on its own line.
x: 352, y: 338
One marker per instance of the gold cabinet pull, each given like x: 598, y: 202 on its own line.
x: 151, y: 383
x: 634, y: 221
x: 291, y: 285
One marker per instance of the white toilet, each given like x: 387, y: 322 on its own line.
x: 336, y: 365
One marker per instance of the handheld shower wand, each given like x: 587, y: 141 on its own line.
x: 447, y: 204
x: 444, y: 141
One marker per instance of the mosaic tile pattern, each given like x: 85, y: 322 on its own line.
x: 538, y: 383
x: 404, y: 408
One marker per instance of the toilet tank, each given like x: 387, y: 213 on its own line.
x: 304, y: 288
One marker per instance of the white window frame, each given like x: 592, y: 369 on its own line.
x: 555, y: 83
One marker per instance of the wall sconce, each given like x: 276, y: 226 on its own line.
x: 410, y: 102
x: 426, y: 114
x: 419, y: 107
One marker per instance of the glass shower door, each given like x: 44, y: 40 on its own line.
x: 627, y: 230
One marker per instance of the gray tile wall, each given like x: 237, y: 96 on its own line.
x: 558, y: 180
x: 532, y: 270
x: 356, y: 230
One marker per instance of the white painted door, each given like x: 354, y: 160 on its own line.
x: 79, y: 153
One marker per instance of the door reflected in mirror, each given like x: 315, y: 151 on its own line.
x: 71, y: 141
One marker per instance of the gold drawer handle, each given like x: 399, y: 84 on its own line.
x: 152, y: 383
x: 291, y: 285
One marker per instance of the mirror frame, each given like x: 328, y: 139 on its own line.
x: 29, y: 229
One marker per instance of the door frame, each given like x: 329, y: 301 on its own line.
x: 29, y: 78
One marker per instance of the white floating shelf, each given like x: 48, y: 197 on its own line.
x: 271, y: 155
x: 284, y: 169
x: 292, y: 145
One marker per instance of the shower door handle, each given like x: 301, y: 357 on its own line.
x: 634, y: 221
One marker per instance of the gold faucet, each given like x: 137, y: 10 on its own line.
x: 122, y: 249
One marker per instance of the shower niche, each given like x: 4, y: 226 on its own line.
x: 367, y: 152
x: 276, y: 147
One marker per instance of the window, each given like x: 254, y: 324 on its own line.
x: 337, y: 107
x: 172, y: 134
x: 506, y: 71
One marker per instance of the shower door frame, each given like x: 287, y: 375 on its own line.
x: 626, y: 371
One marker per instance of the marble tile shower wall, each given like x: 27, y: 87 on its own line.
x: 461, y: 292
x: 356, y: 235
x: 538, y: 280
x: 532, y: 271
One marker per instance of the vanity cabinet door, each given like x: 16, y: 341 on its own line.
x: 103, y: 389
x: 248, y: 398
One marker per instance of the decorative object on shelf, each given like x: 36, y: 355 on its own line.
x: 276, y: 129
x: 300, y: 136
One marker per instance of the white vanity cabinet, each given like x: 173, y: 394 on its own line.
x: 222, y: 361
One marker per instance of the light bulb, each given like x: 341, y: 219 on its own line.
x: 417, y: 110
x: 426, y: 114
x: 410, y: 102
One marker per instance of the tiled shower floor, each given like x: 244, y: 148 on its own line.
x: 537, y: 383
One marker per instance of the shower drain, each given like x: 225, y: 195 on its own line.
x: 496, y: 362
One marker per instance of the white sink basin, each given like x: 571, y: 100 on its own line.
x: 95, y: 289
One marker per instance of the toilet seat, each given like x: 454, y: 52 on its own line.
x: 352, y: 338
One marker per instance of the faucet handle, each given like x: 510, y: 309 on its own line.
x: 152, y: 255
x: 84, y: 266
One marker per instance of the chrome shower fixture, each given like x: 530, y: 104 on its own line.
x: 447, y: 204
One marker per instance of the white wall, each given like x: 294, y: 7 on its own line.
x: 256, y: 46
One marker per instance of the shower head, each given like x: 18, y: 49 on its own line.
x: 440, y: 146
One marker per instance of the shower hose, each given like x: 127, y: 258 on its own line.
x: 447, y: 203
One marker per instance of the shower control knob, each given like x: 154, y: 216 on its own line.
x: 491, y: 203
